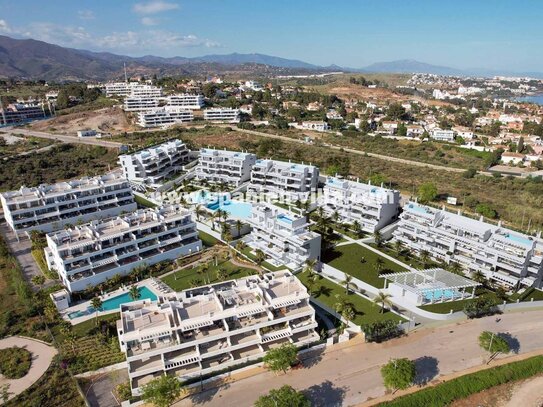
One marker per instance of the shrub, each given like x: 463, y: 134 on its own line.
x: 15, y: 362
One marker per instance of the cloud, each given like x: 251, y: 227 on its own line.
x: 149, y: 21
x: 86, y: 14
x: 4, y: 27
x: 154, y: 7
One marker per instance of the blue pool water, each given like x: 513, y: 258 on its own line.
x: 284, y: 218
x: 240, y: 210
x: 438, y: 294
x: 114, y: 303
x: 519, y: 239
x: 417, y: 208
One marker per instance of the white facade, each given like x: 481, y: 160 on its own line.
x: 87, y: 255
x: 164, y: 117
x: 198, y: 331
x: 371, y: 206
x: 155, y: 164
x: 50, y: 207
x: 132, y: 89
x: 283, y: 236
x: 442, y: 135
x: 222, y: 114
x: 21, y: 112
x: 296, y: 181
x: 186, y: 100
x: 140, y: 103
x: 316, y: 126
x: 501, y: 254
x: 232, y: 167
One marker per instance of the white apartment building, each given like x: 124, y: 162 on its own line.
x: 140, y: 103
x: 503, y: 255
x: 232, y: 167
x: 50, y: 207
x: 117, y: 89
x: 186, y: 100
x: 280, y: 178
x: 371, y: 206
x: 21, y: 112
x: 87, y: 255
x: 316, y: 126
x: 204, y: 329
x: 132, y: 89
x: 222, y: 114
x: 164, y: 117
x: 155, y: 164
x: 283, y: 236
x: 442, y: 135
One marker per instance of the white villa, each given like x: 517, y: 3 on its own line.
x: 165, y: 116
x: 280, y: 178
x: 204, y: 329
x: 155, y: 164
x: 503, y: 255
x: 222, y: 114
x: 186, y: 100
x: 283, y: 236
x: 50, y: 207
x: 232, y: 167
x: 89, y: 254
x: 371, y: 206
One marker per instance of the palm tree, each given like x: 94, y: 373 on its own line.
x: 455, y: 268
x: 215, y: 215
x: 239, y: 225
x: 241, y: 245
x: 383, y: 299
x: 398, y: 246
x: 260, y: 257
x: 199, y: 211
x: 306, y: 205
x: 425, y: 257
x: 310, y: 284
x: 225, y: 216
x: 97, y: 304
x: 310, y: 265
x: 348, y: 313
x: 222, y: 274
x: 479, y: 277
x: 379, y: 263
x: 378, y: 238
x: 203, y: 271
x: 357, y: 229
x: 347, y: 282
x: 335, y: 216
x: 134, y: 293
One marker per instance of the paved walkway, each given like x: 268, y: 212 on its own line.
x: 42, y: 355
x: 351, y: 375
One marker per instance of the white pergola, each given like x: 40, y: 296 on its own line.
x: 432, y: 285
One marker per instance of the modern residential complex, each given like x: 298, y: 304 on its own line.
x: 140, y: 103
x: 218, y: 166
x: 21, y: 112
x: 50, y: 207
x: 222, y: 114
x: 281, y: 178
x: 283, y: 236
x: 87, y: 255
x: 132, y: 89
x: 204, y: 329
x: 371, y: 206
x: 155, y: 164
x: 503, y: 255
x: 186, y: 100
x: 165, y: 116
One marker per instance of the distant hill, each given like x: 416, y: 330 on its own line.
x: 411, y: 66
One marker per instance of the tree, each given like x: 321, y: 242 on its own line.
x: 379, y: 263
x: 239, y: 226
x: 309, y: 266
x: 425, y: 257
x: 285, y: 396
x: 199, y: 211
x: 383, y: 299
x: 260, y: 257
x: 134, y: 293
x: 282, y: 358
x: 493, y: 343
x: 38, y: 280
x: 97, y: 304
x: 398, y: 374
x: 378, y: 238
x: 398, y: 246
x: 347, y: 283
x: 455, y: 268
x: 427, y: 192
x: 162, y: 391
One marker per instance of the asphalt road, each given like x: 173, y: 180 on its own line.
x: 351, y: 375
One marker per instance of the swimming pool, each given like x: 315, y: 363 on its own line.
x: 439, y: 294
x: 519, y: 239
x: 114, y: 303
x: 240, y: 210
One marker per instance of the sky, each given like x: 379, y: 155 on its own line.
x: 490, y: 34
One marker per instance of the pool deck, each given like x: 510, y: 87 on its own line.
x: 82, y: 306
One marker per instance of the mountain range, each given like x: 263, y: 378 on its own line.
x: 33, y: 59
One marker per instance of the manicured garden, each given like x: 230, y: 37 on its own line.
x: 143, y: 202
x: 15, y: 362
x: 207, y: 239
x: 247, y: 252
x: 361, y: 263
x: 405, y: 256
x: 332, y: 294
x: 187, y: 278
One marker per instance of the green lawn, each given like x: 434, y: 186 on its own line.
x: 141, y: 201
x: 247, y: 252
x: 207, y: 239
x: 325, y: 291
x: 182, y: 279
x: 446, y: 307
x: 405, y: 256
x: 360, y: 262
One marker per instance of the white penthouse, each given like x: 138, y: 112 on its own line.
x: 87, y: 255
x: 140, y: 103
x: 50, y: 207
x: 222, y: 114
x: 155, y: 164
x: 164, y: 117
x: 503, y: 255
x: 283, y: 236
x: 186, y: 100
x: 280, y: 178
x: 204, y: 329
x: 371, y: 206
x: 218, y: 166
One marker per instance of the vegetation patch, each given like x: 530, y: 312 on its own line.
x: 15, y: 362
